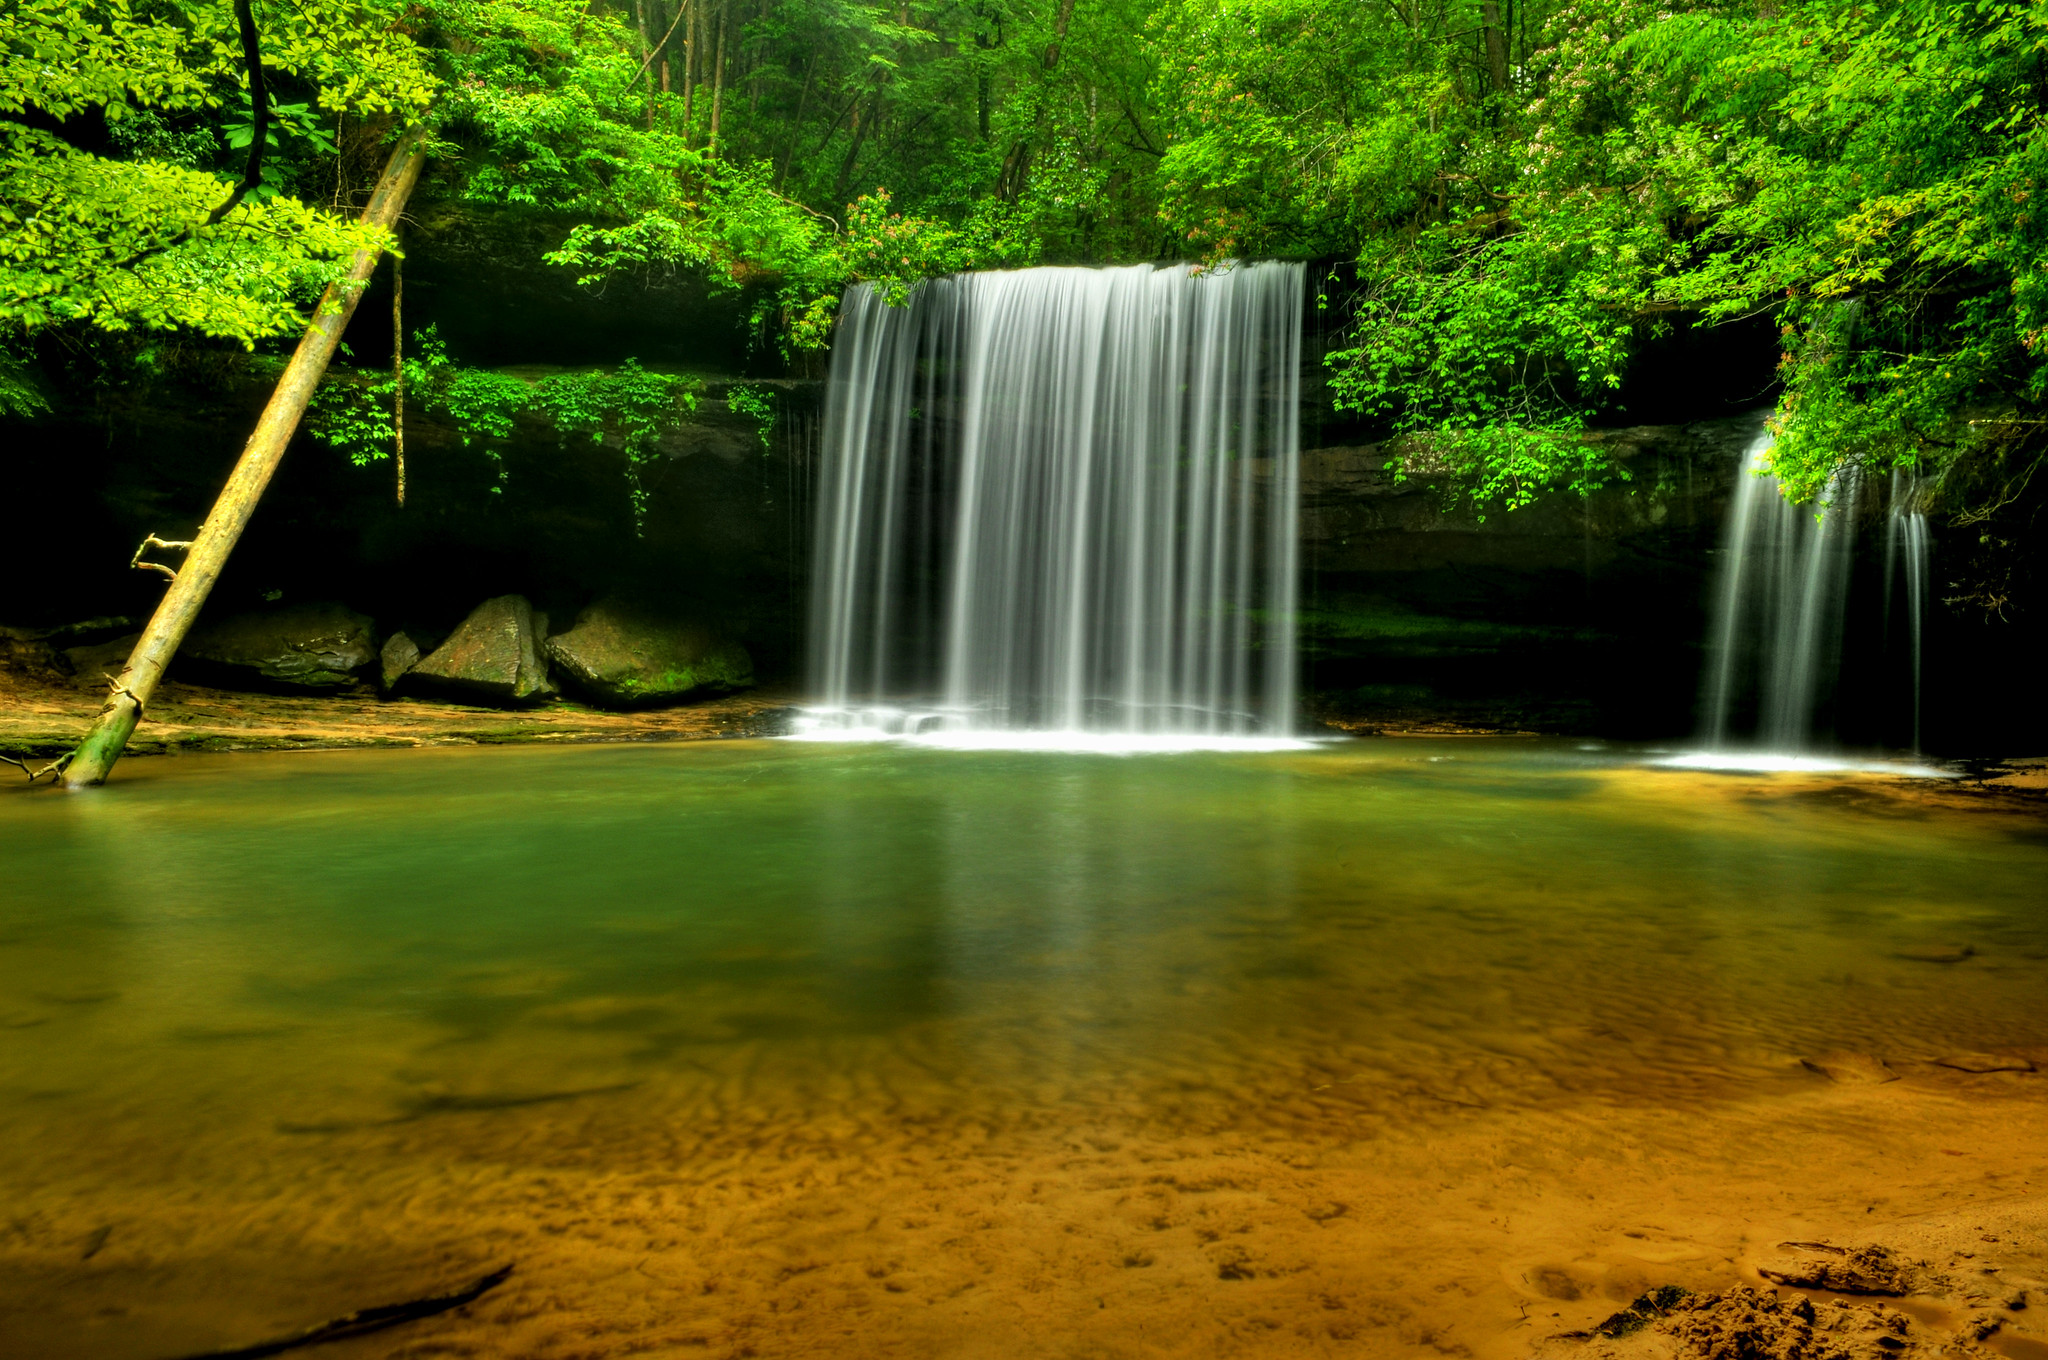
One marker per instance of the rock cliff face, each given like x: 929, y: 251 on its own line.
x: 1571, y: 614
x: 1356, y: 517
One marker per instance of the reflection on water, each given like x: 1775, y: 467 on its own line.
x: 287, y: 1022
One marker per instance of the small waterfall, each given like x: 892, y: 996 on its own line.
x: 1905, y: 539
x: 1062, y: 500
x: 1779, y: 608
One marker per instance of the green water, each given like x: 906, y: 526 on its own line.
x: 224, y: 978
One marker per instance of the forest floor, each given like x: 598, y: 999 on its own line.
x: 41, y: 720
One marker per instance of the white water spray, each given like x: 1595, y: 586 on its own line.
x: 1778, y: 611
x: 1062, y: 500
x: 1905, y: 540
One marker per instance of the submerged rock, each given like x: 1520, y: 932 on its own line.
x: 399, y: 656
x: 622, y: 656
x: 493, y: 657
x: 301, y: 646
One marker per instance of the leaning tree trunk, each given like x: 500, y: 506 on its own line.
x: 103, y: 745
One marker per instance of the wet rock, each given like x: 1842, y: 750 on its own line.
x: 1863, y: 1270
x: 399, y: 656
x: 1850, y: 1069
x: 624, y: 656
x: 300, y: 646
x: 1985, y: 1062
x: 493, y: 657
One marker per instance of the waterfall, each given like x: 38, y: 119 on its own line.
x: 1779, y: 605
x: 1906, y: 538
x: 1061, y: 500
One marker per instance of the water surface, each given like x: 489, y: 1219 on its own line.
x: 871, y: 1049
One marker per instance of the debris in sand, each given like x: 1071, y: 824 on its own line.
x: 1986, y: 1062
x: 1657, y: 1303
x: 364, y: 1321
x: 1863, y: 1270
x: 1850, y: 1069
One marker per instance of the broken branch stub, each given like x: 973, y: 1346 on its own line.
x: 168, y: 544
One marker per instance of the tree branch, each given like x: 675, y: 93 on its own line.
x: 252, y: 171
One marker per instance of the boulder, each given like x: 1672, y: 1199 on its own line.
x: 399, y: 656
x: 625, y: 656
x: 298, y: 646
x: 91, y: 666
x: 493, y: 657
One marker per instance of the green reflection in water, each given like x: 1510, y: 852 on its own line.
x: 348, y: 940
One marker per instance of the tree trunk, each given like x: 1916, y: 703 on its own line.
x: 398, y: 367
x: 1496, y: 44
x: 717, y: 83
x: 103, y: 745
x: 690, y: 74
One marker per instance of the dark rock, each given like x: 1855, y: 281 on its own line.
x: 299, y: 646
x: 622, y: 656
x: 90, y: 666
x: 493, y: 657
x: 32, y: 658
x: 400, y: 655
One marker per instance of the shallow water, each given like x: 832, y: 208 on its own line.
x: 781, y: 1048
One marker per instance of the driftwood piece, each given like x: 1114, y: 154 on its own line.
x: 363, y: 1321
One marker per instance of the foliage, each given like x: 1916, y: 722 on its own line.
x: 758, y: 405
x: 118, y: 241
x: 628, y: 408
x: 1513, y: 193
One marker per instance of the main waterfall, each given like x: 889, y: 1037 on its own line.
x: 1061, y: 500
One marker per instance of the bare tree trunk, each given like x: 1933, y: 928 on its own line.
x: 796, y: 124
x: 398, y: 367
x: 1496, y: 44
x: 690, y: 74
x: 717, y: 81
x: 103, y: 745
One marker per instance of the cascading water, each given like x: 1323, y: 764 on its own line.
x: 1905, y: 540
x: 1062, y: 500
x: 1777, y: 633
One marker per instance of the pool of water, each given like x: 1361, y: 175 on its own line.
x: 785, y: 1048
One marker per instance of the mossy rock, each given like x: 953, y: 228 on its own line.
x: 624, y: 656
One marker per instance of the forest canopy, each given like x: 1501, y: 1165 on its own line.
x: 1514, y: 194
